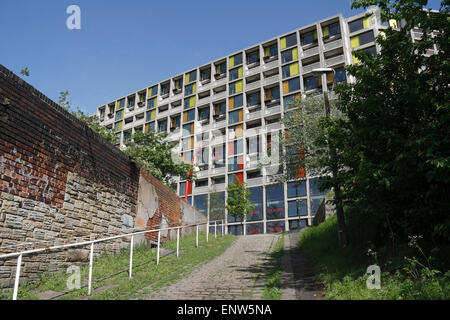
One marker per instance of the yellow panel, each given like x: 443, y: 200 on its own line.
x: 232, y: 62
x: 117, y: 105
x: 240, y: 72
x: 356, y: 60
x: 366, y: 22
x: 192, y: 102
x: 294, y: 69
x: 149, y: 92
x: 239, y: 131
x: 185, y: 116
x: 315, y: 35
x: 266, y: 51
x: 239, y: 86
x: 154, y: 102
x: 194, y: 88
x: 123, y: 115
x: 188, y: 77
x: 191, y: 142
x: 192, y: 128
x: 295, y: 54
x: 283, y: 43
x: 240, y: 115
x: 120, y: 125
x: 326, y: 31
x: 231, y: 103
x: 153, y: 115
x: 146, y: 128
x: 286, y: 87
x: 218, y: 69
x: 354, y: 41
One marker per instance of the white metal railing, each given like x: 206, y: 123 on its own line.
x: 20, y: 254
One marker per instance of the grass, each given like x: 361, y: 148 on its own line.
x: 147, y: 278
x: 272, y: 287
x: 344, y: 270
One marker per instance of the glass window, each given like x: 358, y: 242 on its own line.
x: 296, y: 189
x: 291, y: 85
x: 297, y: 208
x: 341, y: 75
x: 254, y: 98
x: 252, y: 57
x: 203, y: 114
x: 178, y: 83
x: 275, y: 226
x: 236, y: 60
x: 219, y: 156
x: 121, y: 103
x: 217, y: 206
x: 235, y: 163
x: 202, y: 183
x: 290, y: 100
x: 237, y: 175
x: 256, y: 197
x: 201, y: 202
x: 289, y: 55
x: 311, y: 83
x: 188, y: 129
x: 162, y: 126
x: 151, y: 103
x: 165, y: 89
x: 356, y: 25
x: 335, y: 29
x: 308, y: 38
x: 275, y: 201
x: 204, y: 159
x: 288, y: 41
x: 189, y: 115
x: 271, y: 50
x: 236, y: 73
x: 238, y: 101
x: 236, y: 230
x: 314, y: 188
x: 272, y: 93
x: 297, y: 224
x: 153, y: 91
x: 190, y: 89
x: 255, y: 228
x: 235, y: 116
x: 119, y: 115
x: 290, y: 70
x: 220, y: 108
x: 235, y: 147
x: 188, y: 156
x: 150, y: 127
x: 205, y: 74
x: 236, y: 87
x: 221, y: 68
x: 315, y: 204
x: 253, y: 145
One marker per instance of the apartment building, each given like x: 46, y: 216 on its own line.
x: 226, y: 112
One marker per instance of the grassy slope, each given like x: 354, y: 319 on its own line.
x: 272, y: 287
x: 147, y: 277
x: 344, y: 270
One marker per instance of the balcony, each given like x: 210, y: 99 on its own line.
x: 255, y: 182
x: 218, y: 171
x: 201, y: 174
x: 200, y: 190
x: 252, y: 71
x: 162, y: 114
x: 204, y: 100
x: 253, y: 115
x: 273, y: 126
x: 253, y: 85
x: 271, y: 80
x: 310, y: 52
x: 273, y: 110
x: 220, y: 187
x: 221, y: 80
x: 270, y: 65
x: 310, y: 67
x: 218, y: 139
x: 204, y: 87
x: 335, y: 60
x: 220, y: 95
x: 332, y: 45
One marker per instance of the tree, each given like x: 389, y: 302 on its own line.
x: 397, y: 120
x: 238, y: 201
x: 311, y: 146
x: 155, y: 154
x: 25, y: 72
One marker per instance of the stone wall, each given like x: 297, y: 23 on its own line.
x: 61, y: 183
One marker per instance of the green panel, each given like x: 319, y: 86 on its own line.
x: 240, y: 72
x: 354, y: 41
x: 194, y: 88
x: 218, y: 69
x: 231, y: 62
x: 326, y: 31
x: 239, y: 86
x: 192, y: 102
x: 153, y: 115
x: 295, y: 54
x: 188, y: 77
x: 315, y: 35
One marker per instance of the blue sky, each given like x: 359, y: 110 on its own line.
x: 124, y: 46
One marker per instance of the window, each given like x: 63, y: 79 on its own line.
x: 175, y: 122
x: 297, y: 208
x: 204, y: 159
x: 165, y: 89
x: 187, y: 143
x: 150, y: 127
x: 312, y: 83
x: 162, y: 126
x: 153, y: 91
x: 290, y: 70
x: 360, y: 24
x: 191, y: 76
x: 188, y: 129
x: 272, y: 93
x: 309, y: 38
x: 289, y: 55
x: 314, y: 189
x: 232, y: 177
x: 271, y: 50
x: 236, y: 131
x: 189, y: 115
x: 236, y: 73
x: 236, y: 87
x: 255, y: 228
x: 236, y: 230
x: 253, y: 145
x: 362, y: 39
x: 151, y: 103
x: 331, y: 30
x: 119, y: 115
x: 203, y: 114
x: 235, y: 116
x: 221, y: 68
x: 178, y: 83
x: 253, y: 57
x: 141, y: 97
x: 253, y: 175
x: 118, y: 126
x: 296, y: 189
x: 102, y: 113
x: 341, y: 75
x: 291, y: 85
x: 183, y: 188
x: 190, y: 89
x: 275, y: 227
x: 151, y: 115
x: 297, y: 224
x: 120, y: 104
x: 131, y: 102
x: 201, y: 201
x: 127, y: 136
x: 217, y: 206
x: 219, y: 156
x: 188, y: 156
x: 220, y: 109
x: 189, y: 102
x: 218, y: 180
x: 371, y: 50
x: 275, y: 201
x: 236, y: 102
x: 288, y: 41
x: 205, y: 74
x: 236, y: 60
x: 235, y: 147
x: 254, y: 98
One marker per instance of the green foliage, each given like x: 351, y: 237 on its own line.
x: 403, y: 277
x: 238, y: 201
x: 397, y: 146
x: 155, y: 154
x: 25, y: 72
x: 272, y: 287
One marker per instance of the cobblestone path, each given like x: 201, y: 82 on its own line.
x: 236, y: 274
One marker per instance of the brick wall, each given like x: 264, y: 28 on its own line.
x: 60, y: 182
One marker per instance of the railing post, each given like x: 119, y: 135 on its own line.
x: 207, y: 230
x: 91, y: 258
x: 16, y: 281
x: 222, y: 228
x: 131, y: 255
x: 215, y: 229
x: 196, y: 237
x: 157, y: 252
x: 178, y: 242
